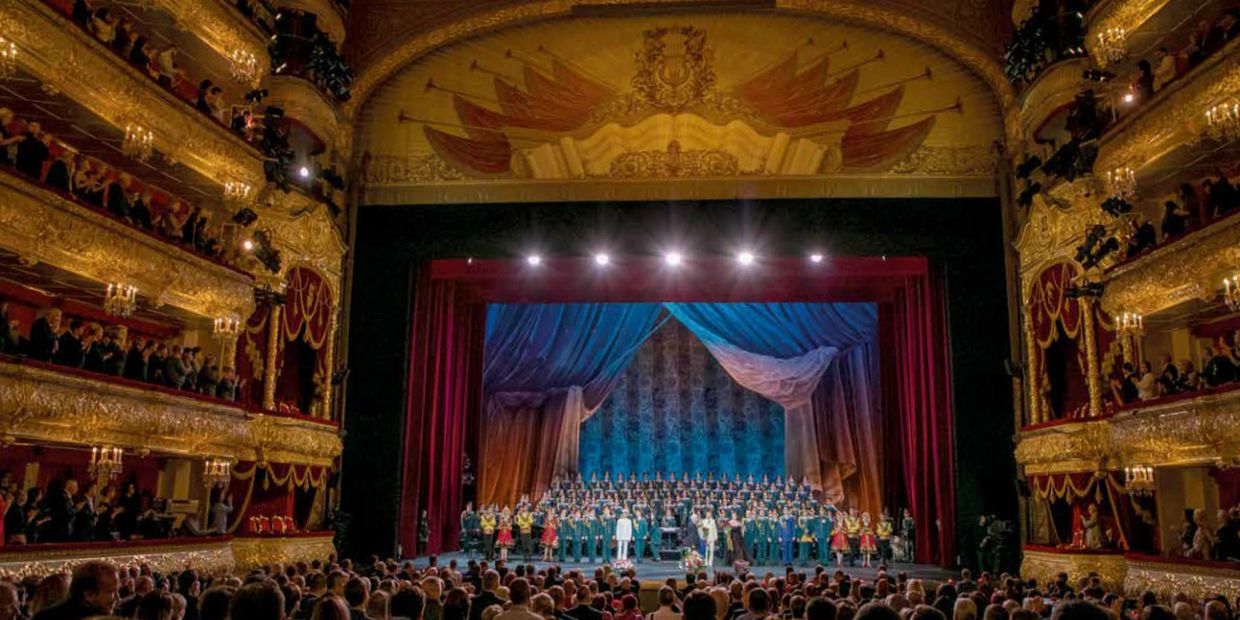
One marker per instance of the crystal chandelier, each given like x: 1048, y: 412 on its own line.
x: 105, y: 463
x: 237, y: 194
x: 8, y: 59
x: 244, y: 66
x: 139, y: 142
x: 121, y: 299
x: 1130, y: 324
x: 1139, y: 480
x: 225, y: 328
x: 216, y: 472
x: 1112, y: 45
x: 1231, y: 292
x: 1122, y: 182
x: 1223, y: 121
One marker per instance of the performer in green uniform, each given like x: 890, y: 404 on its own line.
x: 608, y: 533
x: 641, y: 529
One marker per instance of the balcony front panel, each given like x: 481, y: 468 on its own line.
x: 219, y: 25
x: 1134, y: 574
x: 1204, y: 429
x: 303, y: 101
x: 1111, y: 15
x: 43, y: 226
x: 1054, y: 88
x: 46, y: 405
x: 68, y: 60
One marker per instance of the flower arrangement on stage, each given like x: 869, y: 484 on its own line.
x: 621, y: 565
x: 691, y: 560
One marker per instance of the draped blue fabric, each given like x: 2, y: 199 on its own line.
x: 779, y: 329
x: 540, y: 347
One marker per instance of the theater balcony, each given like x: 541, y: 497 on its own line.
x: 59, y: 59
x: 43, y: 403
x: 209, y: 555
x: 1133, y: 573
x: 221, y: 28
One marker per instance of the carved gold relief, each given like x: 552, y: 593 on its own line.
x: 306, y: 103
x: 47, y: 406
x: 1126, y: 15
x: 1045, y: 566
x: 1167, y: 580
x: 1052, y: 233
x: 220, y: 26
x: 70, y: 61
x: 256, y: 552
x: 41, y: 226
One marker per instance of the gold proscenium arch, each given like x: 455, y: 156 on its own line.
x: 976, y: 59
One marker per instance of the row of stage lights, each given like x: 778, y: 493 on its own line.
x: 674, y: 258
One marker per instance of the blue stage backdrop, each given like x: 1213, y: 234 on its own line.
x: 676, y: 410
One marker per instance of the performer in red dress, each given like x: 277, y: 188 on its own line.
x: 504, y: 539
x: 869, y: 544
x: 550, y: 538
x: 839, y: 539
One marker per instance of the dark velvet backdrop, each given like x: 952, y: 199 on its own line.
x: 962, y: 238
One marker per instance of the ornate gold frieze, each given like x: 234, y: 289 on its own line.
x: 1046, y: 565
x: 43, y: 405
x: 306, y: 103
x: 41, y: 226
x: 222, y: 27
x: 976, y: 58
x: 1201, y: 430
x: 210, y: 557
x: 1192, y: 267
x: 948, y: 161
x: 1174, y: 116
x: 1126, y: 15
x: 303, y: 230
x: 66, y: 59
x: 259, y: 551
x: 1052, y: 232
x: 1167, y: 579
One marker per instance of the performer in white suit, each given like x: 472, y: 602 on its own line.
x: 624, y: 535
x: 709, y: 531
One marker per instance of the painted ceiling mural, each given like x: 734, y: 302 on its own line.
x: 675, y: 97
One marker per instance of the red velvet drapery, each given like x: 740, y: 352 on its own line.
x: 1124, y: 517
x: 306, y: 318
x: 917, y: 424
x: 268, y: 490
x: 251, y: 354
x: 445, y: 399
x: 1061, y: 361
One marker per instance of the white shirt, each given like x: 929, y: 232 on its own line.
x: 624, y: 528
x: 712, y: 531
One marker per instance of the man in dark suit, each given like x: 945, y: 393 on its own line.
x: 486, y: 598
x: 92, y: 592
x: 32, y: 151
x: 583, y: 610
x: 116, y: 196
x: 43, y: 337
x: 70, y: 351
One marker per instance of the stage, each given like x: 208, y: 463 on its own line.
x: 651, y: 573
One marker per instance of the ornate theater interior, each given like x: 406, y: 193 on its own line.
x: 355, y: 301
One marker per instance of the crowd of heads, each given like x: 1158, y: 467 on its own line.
x: 387, y: 590
x: 1209, y: 36
x: 1140, y: 383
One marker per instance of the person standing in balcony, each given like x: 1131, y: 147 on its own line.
x: 43, y: 336
x: 71, y: 350
x: 174, y: 368
x: 32, y: 151
x: 220, y: 510
x: 1147, y: 384
x: 1219, y: 368
x: 116, y: 196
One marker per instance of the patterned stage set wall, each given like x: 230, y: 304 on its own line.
x: 675, y: 409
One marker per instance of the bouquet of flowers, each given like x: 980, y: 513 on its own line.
x: 621, y: 565
x: 691, y: 560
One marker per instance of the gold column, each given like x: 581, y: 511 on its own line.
x: 1091, y: 359
x: 329, y: 350
x: 1031, y: 369
x: 269, y: 361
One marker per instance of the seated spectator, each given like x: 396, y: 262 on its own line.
x: 140, y: 212
x: 227, y: 388
x: 1143, y: 237
x: 81, y: 12
x: 1168, y: 376
x: 1219, y: 368
x: 174, y: 368
x: 116, y: 196
x: 32, y: 151
x: 1142, y: 83
x: 43, y: 335
x: 1165, y: 69
x: 1229, y: 25
x: 8, y: 139
x: 1173, y: 223
x: 1227, y: 537
x: 1147, y: 384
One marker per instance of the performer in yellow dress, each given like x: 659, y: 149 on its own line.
x: 868, y: 543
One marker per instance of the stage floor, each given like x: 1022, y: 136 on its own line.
x: 650, y: 571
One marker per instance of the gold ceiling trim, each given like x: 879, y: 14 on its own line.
x: 41, y: 226
x: 42, y: 405
x: 974, y: 58
x: 1175, y: 116
x: 1189, y: 268
x: 467, y: 192
x: 1205, y: 429
x: 214, y: 557
x: 220, y: 26
x: 67, y: 60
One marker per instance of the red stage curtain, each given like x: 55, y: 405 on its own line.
x: 306, y: 317
x: 445, y: 400
x: 918, y: 423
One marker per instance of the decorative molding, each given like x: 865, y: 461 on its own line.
x: 70, y: 61
x: 303, y: 230
x: 213, y: 556
x: 980, y: 61
x: 303, y: 101
x: 221, y: 26
x: 1168, y: 579
x: 1054, y: 88
x: 42, y: 405
x: 1174, y: 116
x: 1192, y: 267
x: 1052, y: 232
x: 41, y: 226
x: 1127, y: 15
x: 1201, y: 430
x: 1044, y: 566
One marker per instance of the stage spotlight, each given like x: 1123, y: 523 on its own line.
x: 815, y: 258
x: 745, y: 258
x: 602, y: 259
x: 673, y: 259
x: 534, y: 260
x: 248, y: 245
x: 304, y: 172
